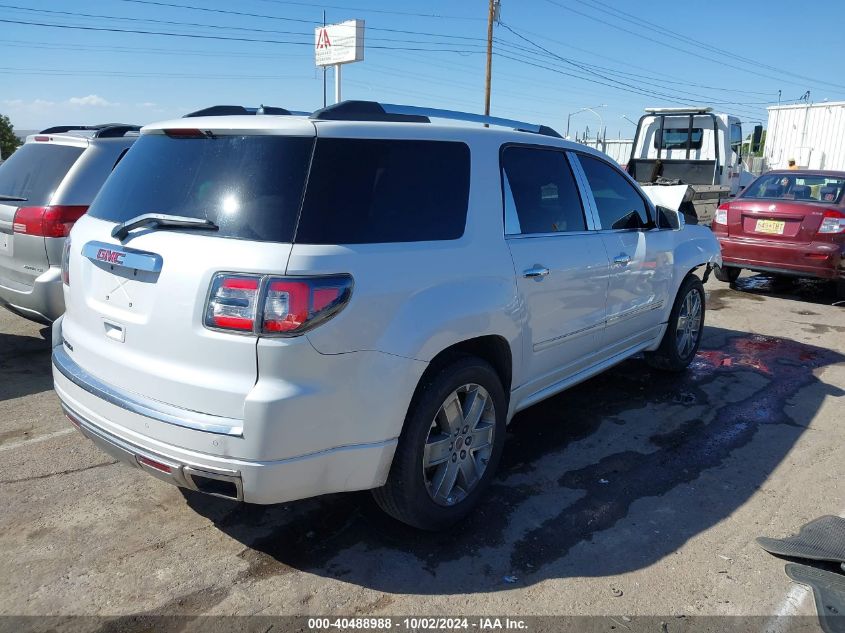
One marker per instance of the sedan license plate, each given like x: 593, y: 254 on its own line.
x: 5, y: 244
x: 770, y: 226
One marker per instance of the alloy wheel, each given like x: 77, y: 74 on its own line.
x: 459, y: 444
x: 688, y: 328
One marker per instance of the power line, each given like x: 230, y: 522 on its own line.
x: 596, y: 5
x: 721, y: 62
x: 366, y: 10
x: 264, y: 16
x: 222, y: 37
x: 634, y: 90
x: 210, y: 26
x: 6, y: 70
x: 641, y: 90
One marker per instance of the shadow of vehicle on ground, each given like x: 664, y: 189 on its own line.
x: 24, y: 365
x: 574, y: 466
x: 806, y: 290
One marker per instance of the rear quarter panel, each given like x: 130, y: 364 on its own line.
x: 416, y: 299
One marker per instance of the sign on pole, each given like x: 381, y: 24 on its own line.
x: 336, y: 44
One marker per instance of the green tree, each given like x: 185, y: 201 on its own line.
x: 8, y: 141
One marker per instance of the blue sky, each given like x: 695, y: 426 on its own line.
x: 553, y: 57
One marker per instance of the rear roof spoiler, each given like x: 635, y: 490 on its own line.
x: 238, y: 110
x: 104, y: 130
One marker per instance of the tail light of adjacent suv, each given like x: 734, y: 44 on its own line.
x: 274, y: 306
x: 721, y: 216
x: 53, y: 221
x: 833, y: 222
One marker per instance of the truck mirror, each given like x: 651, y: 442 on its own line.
x: 669, y: 218
x: 756, y: 139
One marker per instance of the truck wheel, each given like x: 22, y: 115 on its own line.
x: 683, y: 332
x: 727, y: 273
x: 839, y: 288
x: 449, y: 447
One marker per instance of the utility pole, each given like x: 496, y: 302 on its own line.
x: 492, y: 15
x: 324, y: 68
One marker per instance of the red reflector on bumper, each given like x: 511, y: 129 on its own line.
x: 154, y: 464
x: 73, y: 420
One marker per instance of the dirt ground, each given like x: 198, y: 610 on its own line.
x: 634, y: 493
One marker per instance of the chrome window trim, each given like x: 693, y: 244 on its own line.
x: 506, y: 189
x: 588, y: 193
x: 158, y: 411
x: 590, y: 208
x: 531, y: 236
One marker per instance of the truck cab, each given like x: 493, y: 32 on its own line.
x: 694, y: 147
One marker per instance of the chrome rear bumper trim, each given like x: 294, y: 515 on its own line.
x: 149, y: 408
x: 181, y: 474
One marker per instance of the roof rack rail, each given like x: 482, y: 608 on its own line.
x: 374, y: 111
x: 103, y: 130
x: 235, y: 110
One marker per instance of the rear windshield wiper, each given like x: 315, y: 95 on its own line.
x: 162, y: 220
x: 5, y: 198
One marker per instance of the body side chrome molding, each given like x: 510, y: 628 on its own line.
x: 543, y: 345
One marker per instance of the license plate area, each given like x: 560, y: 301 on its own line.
x: 772, y: 227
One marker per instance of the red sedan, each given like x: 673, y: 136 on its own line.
x: 785, y: 223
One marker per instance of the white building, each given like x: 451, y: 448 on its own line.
x: 813, y: 134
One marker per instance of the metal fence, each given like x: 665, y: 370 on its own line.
x: 619, y: 149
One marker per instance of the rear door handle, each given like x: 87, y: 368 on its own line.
x: 536, y: 271
x: 622, y: 260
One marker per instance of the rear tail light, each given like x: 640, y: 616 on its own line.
x: 274, y: 306
x: 721, y: 216
x: 54, y: 221
x: 833, y: 222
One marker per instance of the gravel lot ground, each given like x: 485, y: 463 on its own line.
x: 635, y: 493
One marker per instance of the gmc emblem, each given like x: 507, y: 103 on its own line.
x: 110, y: 257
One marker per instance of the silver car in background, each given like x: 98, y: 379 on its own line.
x: 45, y: 186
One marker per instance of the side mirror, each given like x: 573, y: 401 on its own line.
x: 756, y: 138
x: 670, y: 219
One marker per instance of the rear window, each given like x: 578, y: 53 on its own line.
x: 679, y: 138
x: 250, y: 186
x: 36, y: 170
x: 797, y: 186
x: 375, y: 191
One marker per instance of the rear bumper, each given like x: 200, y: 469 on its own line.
x: 43, y: 301
x: 823, y: 260
x: 151, y: 439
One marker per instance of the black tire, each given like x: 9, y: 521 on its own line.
x: 668, y: 357
x: 405, y: 496
x: 727, y: 274
x: 839, y: 288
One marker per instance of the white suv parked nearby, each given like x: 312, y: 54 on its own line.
x: 268, y: 308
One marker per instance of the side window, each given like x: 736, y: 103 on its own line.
x: 618, y: 203
x: 736, y: 138
x: 370, y: 191
x: 540, y: 188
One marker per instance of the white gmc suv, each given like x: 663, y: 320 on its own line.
x: 267, y: 308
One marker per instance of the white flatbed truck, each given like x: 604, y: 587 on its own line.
x: 690, y: 159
